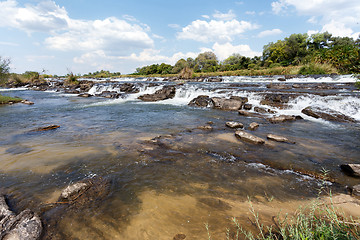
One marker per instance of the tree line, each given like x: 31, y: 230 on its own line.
x: 343, y: 53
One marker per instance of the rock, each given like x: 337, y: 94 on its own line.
x: 254, y: 126
x: 326, y: 114
x: 282, y: 118
x: 206, y: 128
x: 278, y: 86
x: 232, y: 104
x: 249, y: 137
x: 281, y: 79
x: 351, y: 169
x: 201, y: 101
x: 261, y: 110
x: 279, y: 138
x: 129, y: 88
x: 85, y: 95
x: 166, y: 92
x: 249, y: 114
x: 109, y: 94
x: 247, y: 106
x: 275, y: 100
x: 47, y: 128
x: 214, y: 79
x: 234, y: 125
x: 179, y: 236
x: 27, y: 102
x: 70, y: 191
x: 356, y: 190
x: 24, y: 226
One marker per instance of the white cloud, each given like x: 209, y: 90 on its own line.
x: 267, y: 33
x: 110, y: 34
x: 223, y: 51
x: 44, y: 17
x: 339, y: 17
x: 175, y: 26
x: 250, y: 12
x: 230, y: 15
x: 206, y: 16
x: 215, y: 31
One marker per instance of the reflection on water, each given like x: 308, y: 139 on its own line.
x: 166, y: 176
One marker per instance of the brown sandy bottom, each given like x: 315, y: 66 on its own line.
x: 163, y: 216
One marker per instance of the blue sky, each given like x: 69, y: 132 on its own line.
x: 84, y: 36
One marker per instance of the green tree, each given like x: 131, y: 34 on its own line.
x: 179, y: 65
x: 4, y: 69
x: 206, y: 62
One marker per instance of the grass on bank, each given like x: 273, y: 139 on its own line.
x: 318, y: 221
x: 7, y: 100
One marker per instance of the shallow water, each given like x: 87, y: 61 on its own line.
x: 162, y: 186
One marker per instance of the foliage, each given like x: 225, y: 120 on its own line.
x: 102, y: 74
x: 71, y: 79
x: 316, y: 68
x: 6, y: 99
x: 206, y: 62
x: 4, y: 69
x: 154, y: 69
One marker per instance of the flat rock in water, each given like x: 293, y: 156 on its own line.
x: 279, y: 138
x: 206, y: 128
x: 326, y: 114
x: 234, y: 125
x: 232, y: 104
x: 47, y: 128
x: 351, y: 169
x: 282, y: 118
x: 73, y: 189
x: 249, y: 137
x: 27, y: 102
x: 24, y: 226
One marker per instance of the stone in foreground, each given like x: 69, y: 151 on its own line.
x: 24, y: 226
x: 253, y: 126
x: 351, y: 169
x: 279, y: 138
x: 234, y: 125
x: 249, y: 137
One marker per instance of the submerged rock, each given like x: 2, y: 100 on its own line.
x: 234, y: 125
x: 27, y: 102
x: 47, y: 128
x: 351, y: 169
x: 24, y: 226
x: 279, y: 138
x: 326, y: 114
x: 206, y: 128
x: 167, y: 92
x: 201, y: 101
x: 249, y: 137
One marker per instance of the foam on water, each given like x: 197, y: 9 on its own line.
x: 13, y: 89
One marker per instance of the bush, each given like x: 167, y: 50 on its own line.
x: 4, y: 69
x: 317, y: 68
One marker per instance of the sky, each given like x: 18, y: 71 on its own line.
x: 81, y: 36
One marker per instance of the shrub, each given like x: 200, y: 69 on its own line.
x: 317, y: 68
x: 71, y: 79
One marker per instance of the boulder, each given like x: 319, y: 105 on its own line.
x: 275, y: 100
x: 281, y: 118
x: 279, y: 138
x: 249, y: 137
x: 129, y: 88
x: 201, y: 101
x: 253, y: 126
x: 166, y: 92
x: 326, y: 114
x: 234, y: 125
x: 356, y: 190
x: 247, y: 106
x: 24, y: 226
x: 249, y: 114
x: 109, y: 94
x: 227, y: 104
x: 261, y: 110
x: 351, y: 169
x: 206, y: 128
x: 278, y: 86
